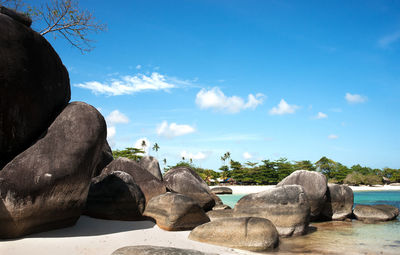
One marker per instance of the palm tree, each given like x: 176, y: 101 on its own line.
x: 156, y: 147
x: 165, y: 161
x: 144, y: 145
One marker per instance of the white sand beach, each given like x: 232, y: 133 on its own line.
x: 237, y: 189
x: 101, y: 237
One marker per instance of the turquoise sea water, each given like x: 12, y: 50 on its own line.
x: 353, y: 237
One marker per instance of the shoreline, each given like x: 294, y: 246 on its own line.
x: 246, y: 189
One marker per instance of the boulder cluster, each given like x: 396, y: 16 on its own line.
x: 55, y: 165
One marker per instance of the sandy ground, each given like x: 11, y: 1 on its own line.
x: 101, y: 237
x: 236, y: 189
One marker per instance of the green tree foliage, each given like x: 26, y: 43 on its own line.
x: 131, y: 153
x: 304, y: 165
x: 326, y: 166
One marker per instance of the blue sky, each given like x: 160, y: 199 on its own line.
x: 260, y: 79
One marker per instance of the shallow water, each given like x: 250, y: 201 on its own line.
x: 352, y: 237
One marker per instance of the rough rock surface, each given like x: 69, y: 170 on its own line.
x: 221, y: 207
x: 247, y: 233
x: 115, y: 196
x: 105, y: 158
x: 185, y: 181
x: 221, y: 190
x: 174, y: 212
x: 314, y: 185
x: 46, y: 186
x: 156, y: 250
x: 150, y: 185
x: 34, y: 85
x: 217, y: 214
x: 339, y: 202
x: 374, y: 213
x: 285, y: 206
x: 151, y: 164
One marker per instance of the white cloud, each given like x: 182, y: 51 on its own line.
x: 247, y: 155
x: 283, y: 108
x: 321, y: 115
x: 138, y: 67
x: 139, y: 143
x: 116, y: 117
x: 355, y: 98
x: 216, y: 99
x: 127, y: 85
x: 173, y: 129
x: 111, y: 131
x: 385, y: 41
x: 333, y: 137
x: 197, y: 156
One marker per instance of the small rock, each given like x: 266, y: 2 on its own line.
x: 374, y: 213
x: 221, y: 190
x: 339, y: 202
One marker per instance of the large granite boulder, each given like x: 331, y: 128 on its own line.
x: 221, y: 190
x: 285, y: 206
x: 34, y: 85
x: 217, y: 214
x: 247, y: 233
x: 105, y: 158
x: 151, y: 164
x: 156, y: 250
x: 374, y: 213
x: 185, y: 181
x: 314, y: 185
x: 149, y: 185
x: 339, y: 202
x: 175, y: 212
x: 115, y: 196
x: 46, y: 186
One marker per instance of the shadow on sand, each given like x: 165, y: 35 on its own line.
x: 87, y: 226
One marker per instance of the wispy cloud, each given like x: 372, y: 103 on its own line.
x: 127, y: 85
x: 234, y: 138
x: 247, y: 155
x: 215, y: 99
x: 387, y: 40
x: 333, y: 137
x: 321, y: 115
x: 116, y: 117
x: 283, y: 108
x: 355, y: 98
x: 173, y: 129
x: 197, y: 156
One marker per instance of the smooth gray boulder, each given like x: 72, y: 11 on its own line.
x: 375, y: 213
x: 314, y: 185
x: 221, y: 190
x: 217, y: 214
x: 185, y: 181
x: 285, y: 206
x: 248, y: 233
x: 151, y: 164
x: 115, y: 196
x: 339, y: 202
x: 156, y: 250
x: 46, y: 186
x: 34, y: 85
x: 149, y: 185
x: 173, y: 212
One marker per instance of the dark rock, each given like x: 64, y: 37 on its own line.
x: 46, y: 186
x: 339, y: 202
x: 34, y: 86
x: 217, y: 214
x: 105, y: 159
x: 174, y: 212
x: 115, y: 196
x: 149, y: 184
x: 185, y: 181
x: 374, y: 213
x: 248, y: 233
x: 221, y: 190
x: 17, y: 16
x: 285, y: 206
x: 217, y: 200
x: 155, y: 250
x: 151, y: 164
x: 314, y: 185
